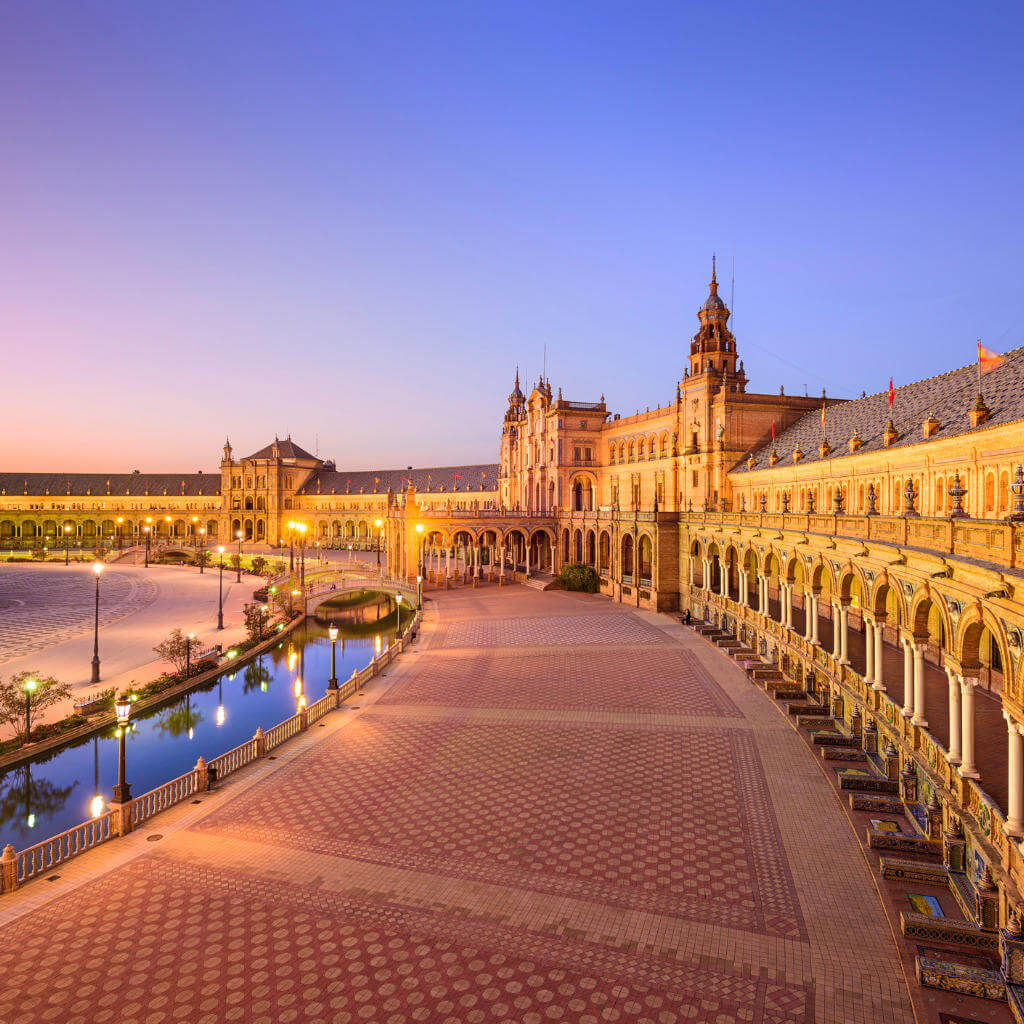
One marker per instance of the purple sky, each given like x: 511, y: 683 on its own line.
x: 351, y: 221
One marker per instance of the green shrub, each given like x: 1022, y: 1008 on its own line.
x: 579, y: 577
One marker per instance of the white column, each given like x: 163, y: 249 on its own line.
x: 908, y: 678
x: 743, y: 586
x: 1015, y: 762
x: 808, y: 615
x: 955, y: 726
x: 879, y: 681
x: 869, y: 649
x: 967, y: 768
x: 844, y: 634
x: 814, y: 619
x: 919, y: 708
x: 724, y: 571
x: 835, y: 631
x: 787, y: 614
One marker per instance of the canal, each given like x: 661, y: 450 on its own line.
x: 60, y: 788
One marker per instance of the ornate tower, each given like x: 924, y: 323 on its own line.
x: 713, y: 348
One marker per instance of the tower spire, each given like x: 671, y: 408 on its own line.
x: 714, y: 276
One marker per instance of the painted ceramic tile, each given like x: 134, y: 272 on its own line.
x: 925, y: 905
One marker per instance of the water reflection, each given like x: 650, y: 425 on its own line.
x: 67, y: 786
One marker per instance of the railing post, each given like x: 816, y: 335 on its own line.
x: 260, y: 741
x: 122, y: 820
x: 202, y: 775
x: 8, y: 869
x: 303, y: 718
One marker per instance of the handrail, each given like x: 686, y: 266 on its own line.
x: 170, y: 793
x: 44, y: 856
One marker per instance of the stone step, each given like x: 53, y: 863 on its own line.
x: 922, y: 928
x: 539, y: 581
x: 878, y: 804
x: 766, y: 673
x: 782, y: 696
x: 960, y: 978
x: 853, y: 755
x: 781, y: 683
x: 833, y: 738
x: 806, y: 706
x: 900, y: 843
x: 854, y: 779
x: 904, y: 869
x: 812, y: 722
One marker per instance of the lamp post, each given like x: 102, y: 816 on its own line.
x: 29, y: 686
x: 301, y: 527
x: 67, y: 543
x: 148, y: 530
x: 294, y: 593
x: 419, y: 591
x: 332, y: 683
x: 202, y: 561
x: 419, y: 549
x: 238, y: 579
x: 120, y: 523
x: 291, y: 546
x: 398, y: 615
x: 350, y: 555
x: 220, y: 584
x: 123, y: 710
x: 97, y: 568
x: 379, y: 523
x: 195, y: 533
x: 188, y: 654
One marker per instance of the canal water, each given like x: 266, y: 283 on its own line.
x: 44, y: 797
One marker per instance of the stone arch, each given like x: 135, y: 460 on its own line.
x: 852, y: 584
x: 627, y: 555
x: 591, y: 549
x: 565, y: 546
x: 663, y: 445
x: 981, y: 647
x: 929, y: 618
x: 542, y: 545
x: 887, y: 601
x: 583, y: 489
x: 645, y: 558
x: 577, y: 546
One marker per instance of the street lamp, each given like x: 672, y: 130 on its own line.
x: 67, y: 543
x: 239, y: 577
x: 29, y: 686
x: 195, y: 537
x: 97, y: 568
x: 398, y: 615
x: 295, y: 593
x: 419, y: 591
x: 220, y: 599
x: 332, y: 683
x: 379, y: 523
x: 202, y: 561
x: 301, y: 527
x: 148, y: 530
x: 120, y: 523
x: 123, y: 710
x: 291, y: 545
x: 419, y: 550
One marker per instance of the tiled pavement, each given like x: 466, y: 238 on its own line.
x: 554, y: 809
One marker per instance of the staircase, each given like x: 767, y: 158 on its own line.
x: 539, y: 581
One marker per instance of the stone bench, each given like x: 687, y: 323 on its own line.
x: 922, y: 928
x: 960, y: 978
x: 899, y: 869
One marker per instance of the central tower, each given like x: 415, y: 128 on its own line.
x: 713, y: 348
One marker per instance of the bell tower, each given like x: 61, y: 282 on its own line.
x: 713, y: 348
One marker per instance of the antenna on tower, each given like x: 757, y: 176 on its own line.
x: 316, y: 445
x: 544, y: 371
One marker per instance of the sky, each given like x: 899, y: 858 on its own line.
x: 350, y: 222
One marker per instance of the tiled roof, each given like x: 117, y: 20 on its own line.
x: 57, y: 485
x: 480, y: 477
x: 949, y: 397
x: 286, y: 449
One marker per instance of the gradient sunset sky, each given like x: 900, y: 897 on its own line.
x: 351, y: 221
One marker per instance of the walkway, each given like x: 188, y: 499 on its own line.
x: 555, y: 808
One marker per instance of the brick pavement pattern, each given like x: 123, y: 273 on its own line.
x: 36, y: 607
x: 467, y: 846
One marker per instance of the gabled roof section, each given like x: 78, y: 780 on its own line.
x: 79, y: 485
x: 477, y: 477
x: 286, y: 449
x: 949, y: 397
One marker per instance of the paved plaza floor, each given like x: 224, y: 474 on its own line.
x: 47, y: 613
x: 552, y: 809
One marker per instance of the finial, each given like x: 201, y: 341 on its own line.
x: 517, y: 375
x: 714, y: 277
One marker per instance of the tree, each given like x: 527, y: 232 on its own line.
x: 258, y: 564
x: 256, y: 619
x: 14, y: 703
x: 235, y: 562
x: 202, y: 557
x: 175, y: 650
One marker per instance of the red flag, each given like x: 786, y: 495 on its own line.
x: 773, y: 430
x: 458, y: 476
x: 823, y: 414
x: 892, y: 393
x: 987, y: 359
